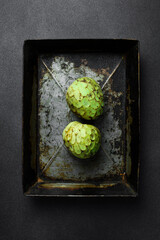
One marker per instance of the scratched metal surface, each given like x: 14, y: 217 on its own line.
x: 56, y: 73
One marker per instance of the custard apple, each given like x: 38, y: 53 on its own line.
x: 82, y: 140
x: 85, y: 98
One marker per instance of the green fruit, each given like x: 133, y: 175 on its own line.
x: 85, y: 98
x: 82, y: 140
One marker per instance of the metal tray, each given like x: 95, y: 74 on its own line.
x: 50, y: 66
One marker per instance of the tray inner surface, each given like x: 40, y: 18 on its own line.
x: 56, y: 73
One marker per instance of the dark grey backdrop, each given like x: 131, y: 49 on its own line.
x: 28, y: 218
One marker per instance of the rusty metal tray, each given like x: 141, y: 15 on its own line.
x: 50, y: 66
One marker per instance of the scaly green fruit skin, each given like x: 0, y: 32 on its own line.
x: 85, y: 98
x: 82, y: 140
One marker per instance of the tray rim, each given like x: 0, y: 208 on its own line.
x: 135, y: 194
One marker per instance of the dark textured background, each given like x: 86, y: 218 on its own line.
x: 28, y: 218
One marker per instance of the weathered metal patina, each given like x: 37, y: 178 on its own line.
x: 57, y: 75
